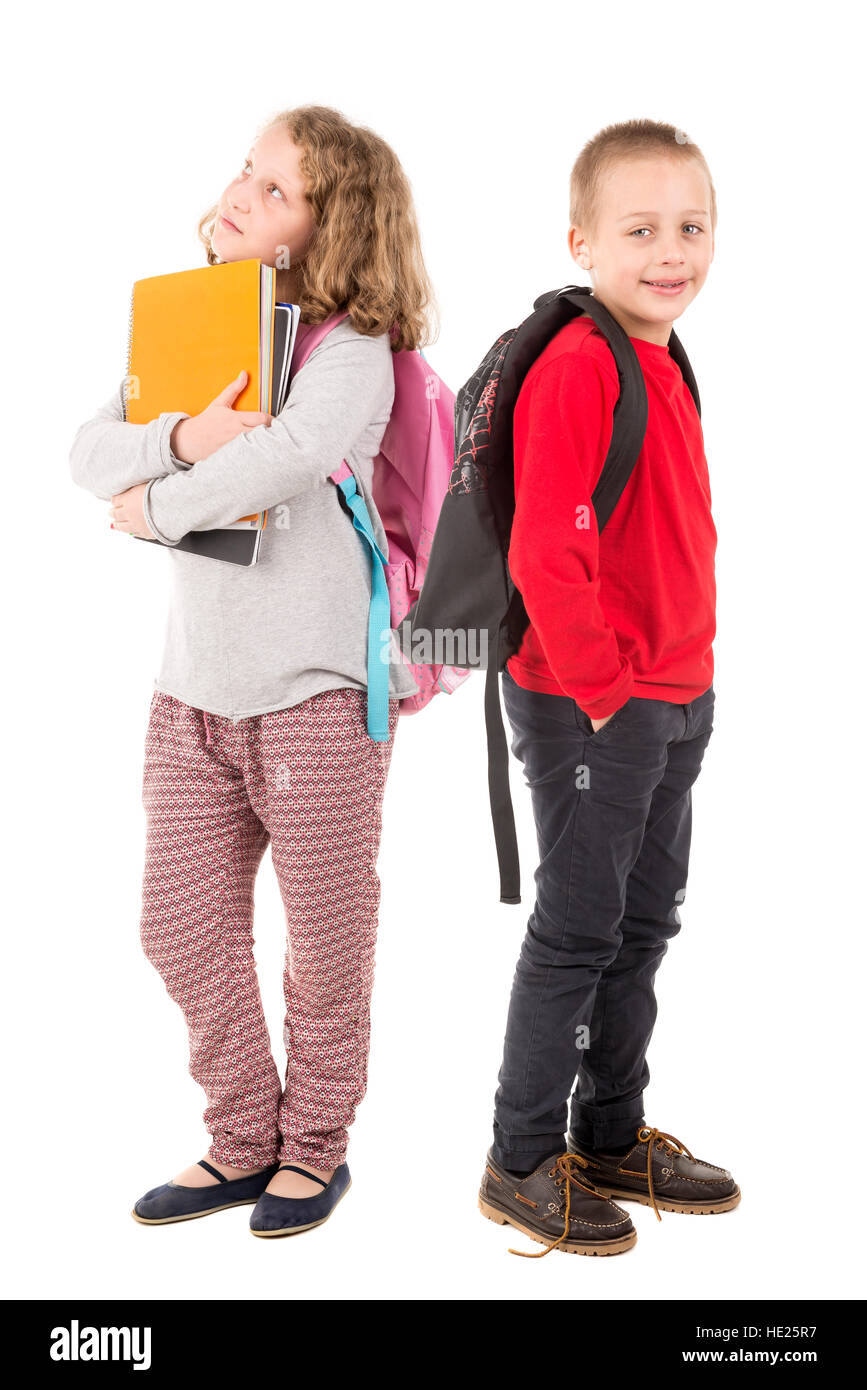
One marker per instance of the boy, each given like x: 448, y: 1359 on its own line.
x: 610, y: 699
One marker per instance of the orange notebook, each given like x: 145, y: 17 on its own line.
x: 190, y: 333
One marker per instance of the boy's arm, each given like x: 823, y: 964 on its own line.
x: 562, y: 429
x: 108, y: 455
x: 332, y: 401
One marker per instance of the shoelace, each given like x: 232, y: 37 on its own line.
x: 659, y: 1140
x: 565, y: 1164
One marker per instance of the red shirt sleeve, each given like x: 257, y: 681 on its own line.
x: 563, y: 423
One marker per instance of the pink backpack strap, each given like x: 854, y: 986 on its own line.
x: 309, y: 335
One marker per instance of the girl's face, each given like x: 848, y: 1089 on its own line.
x: 263, y: 214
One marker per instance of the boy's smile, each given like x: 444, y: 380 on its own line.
x: 651, y: 248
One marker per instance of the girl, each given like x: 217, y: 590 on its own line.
x: 257, y: 729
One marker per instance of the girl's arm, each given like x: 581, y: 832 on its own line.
x: 108, y: 455
x: 347, y: 384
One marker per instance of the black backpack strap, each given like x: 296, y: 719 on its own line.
x: 502, y: 811
x: 630, y: 423
x: 630, y: 410
x: 675, y: 347
x: 624, y: 353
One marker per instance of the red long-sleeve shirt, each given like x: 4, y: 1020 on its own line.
x: 633, y: 611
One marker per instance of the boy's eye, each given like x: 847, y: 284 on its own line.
x: 647, y: 229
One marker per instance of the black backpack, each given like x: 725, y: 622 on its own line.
x: 468, y: 588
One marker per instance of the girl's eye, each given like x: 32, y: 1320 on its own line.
x: 247, y: 165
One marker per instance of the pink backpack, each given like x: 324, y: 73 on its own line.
x: 410, y: 480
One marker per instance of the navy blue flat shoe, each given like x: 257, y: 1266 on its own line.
x: 171, y: 1202
x: 286, y: 1216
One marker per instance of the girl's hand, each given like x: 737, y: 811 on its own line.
x: 201, y: 435
x: 127, y: 514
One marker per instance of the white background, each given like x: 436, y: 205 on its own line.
x: 123, y: 125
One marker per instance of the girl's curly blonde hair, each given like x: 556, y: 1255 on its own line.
x: 365, y: 253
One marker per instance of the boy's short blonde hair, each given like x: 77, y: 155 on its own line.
x: 626, y: 140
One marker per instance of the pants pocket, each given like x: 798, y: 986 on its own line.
x: 586, y: 726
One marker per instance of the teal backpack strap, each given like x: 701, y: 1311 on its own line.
x: 379, y: 615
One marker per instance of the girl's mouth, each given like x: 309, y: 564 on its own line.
x: 231, y: 226
x: 669, y: 287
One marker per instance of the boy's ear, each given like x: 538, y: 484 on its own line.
x: 578, y: 248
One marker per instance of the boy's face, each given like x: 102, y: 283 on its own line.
x: 266, y: 203
x: 653, y: 224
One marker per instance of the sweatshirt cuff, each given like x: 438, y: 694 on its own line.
x: 170, y: 462
x: 613, y: 699
x: 149, y: 517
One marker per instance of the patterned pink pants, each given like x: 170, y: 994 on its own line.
x: 310, y: 781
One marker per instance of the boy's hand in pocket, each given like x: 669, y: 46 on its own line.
x: 201, y: 435
x: 600, y: 723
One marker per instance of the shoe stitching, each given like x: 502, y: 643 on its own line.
x: 681, y: 1178
x: 566, y: 1164
x: 660, y: 1141
x: 657, y: 1140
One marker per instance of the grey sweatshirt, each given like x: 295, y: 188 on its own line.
x: 240, y: 640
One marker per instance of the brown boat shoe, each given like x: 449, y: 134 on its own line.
x: 660, y: 1166
x: 554, y: 1199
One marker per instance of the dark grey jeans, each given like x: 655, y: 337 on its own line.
x: 613, y: 813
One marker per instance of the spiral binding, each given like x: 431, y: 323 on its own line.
x: 128, y: 353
